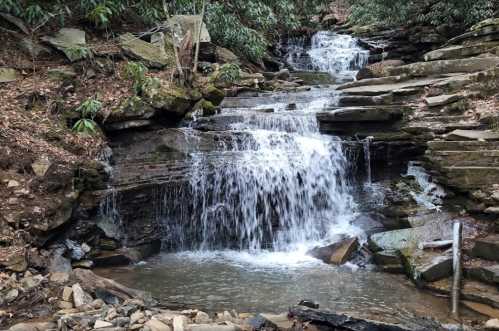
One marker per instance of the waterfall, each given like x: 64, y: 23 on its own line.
x: 366, y: 144
x: 339, y: 55
x: 286, y: 184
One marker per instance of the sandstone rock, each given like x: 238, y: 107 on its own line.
x: 442, y: 100
x: 36, y: 326
x: 156, y: 325
x: 492, y: 324
x: 460, y: 51
x: 99, y: 324
x: 80, y: 297
x: 59, y: 277
x: 482, y: 309
x: 8, y: 75
x: 486, y: 273
x: 14, y: 259
x: 485, y: 135
x: 223, y: 55
x: 469, y: 65
x: 68, y: 40
x: 337, y: 253
x: 41, y: 166
x: 180, y: 323
x: 65, y: 305
x: 487, y: 248
x: 361, y: 114
x: 146, y: 52
x: 425, y: 266
x: 136, y: 317
x: 67, y: 293
x: 202, y: 318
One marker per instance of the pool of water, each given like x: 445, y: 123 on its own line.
x: 271, y: 282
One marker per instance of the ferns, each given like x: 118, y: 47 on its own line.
x: 87, y: 110
x: 229, y: 73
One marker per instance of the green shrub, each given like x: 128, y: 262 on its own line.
x: 229, y: 73
x: 136, y: 71
x: 87, y: 111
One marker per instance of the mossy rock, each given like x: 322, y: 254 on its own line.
x: 131, y: 108
x: 169, y: 100
x: 92, y: 176
x: 213, y: 94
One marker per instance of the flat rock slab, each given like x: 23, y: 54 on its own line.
x: 410, y: 238
x: 337, y: 253
x: 387, y: 88
x: 426, y: 266
x: 487, y: 248
x: 353, y: 321
x: 487, y: 273
x: 484, y: 135
x: 460, y: 51
x: 8, y: 75
x: 151, y: 55
x: 69, y: 40
x: 470, y: 177
x: 361, y: 114
x: 442, y: 100
x: 441, y: 67
x: 470, y: 145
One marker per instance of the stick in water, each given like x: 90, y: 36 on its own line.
x: 456, y: 266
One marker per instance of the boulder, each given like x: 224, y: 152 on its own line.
x: 41, y: 166
x: 426, y: 266
x: 337, y: 253
x: 213, y: 94
x: 223, y: 55
x: 181, y: 24
x: 70, y: 41
x: 171, y: 102
x: 8, y: 75
x: 151, y: 55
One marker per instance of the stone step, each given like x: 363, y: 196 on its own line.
x: 442, y: 100
x: 347, y: 100
x: 376, y: 89
x: 460, y: 134
x: 430, y: 117
x: 461, y: 51
x: 465, y: 158
x: 418, y: 127
x: 487, y: 248
x: 466, y: 178
x: 361, y: 114
x: 468, y: 145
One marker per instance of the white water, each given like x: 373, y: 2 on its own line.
x: 284, y: 190
x: 431, y: 193
x: 339, y: 55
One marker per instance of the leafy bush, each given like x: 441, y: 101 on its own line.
x: 87, y: 110
x: 136, y: 71
x: 229, y: 73
x: 457, y: 12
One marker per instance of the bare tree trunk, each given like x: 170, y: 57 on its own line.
x: 456, y: 282
x: 198, y: 41
x: 175, y: 51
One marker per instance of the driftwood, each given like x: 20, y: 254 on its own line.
x: 92, y: 283
x: 351, y: 323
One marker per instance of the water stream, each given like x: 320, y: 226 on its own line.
x: 253, y: 207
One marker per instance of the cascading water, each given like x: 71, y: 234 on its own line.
x: 339, y: 55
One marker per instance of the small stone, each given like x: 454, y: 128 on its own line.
x: 13, y: 201
x: 86, y: 248
x: 80, y: 298
x: 137, y: 316
x: 41, y: 166
x: 65, y: 305
x: 492, y: 324
x: 59, y: 277
x: 67, y: 293
x: 156, y: 325
x: 13, y: 183
x: 121, y: 321
x: 180, y: 323
x: 12, y: 295
x: 99, y: 324
x: 202, y: 318
x: 98, y: 303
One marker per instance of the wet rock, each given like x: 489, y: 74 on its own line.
x: 337, y: 253
x: 487, y: 248
x: 360, y: 114
x: 425, y: 266
x: 357, y: 322
x: 69, y: 41
x: 365, y: 100
x: 279, y: 322
x: 8, y: 75
x: 309, y: 304
x: 481, y: 308
x: 146, y: 52
x: 213, y: 94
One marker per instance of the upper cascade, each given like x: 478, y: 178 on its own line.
x: 340, y: 55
